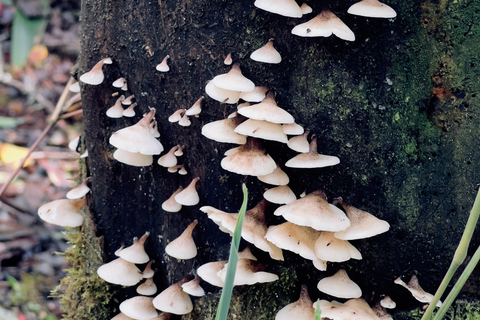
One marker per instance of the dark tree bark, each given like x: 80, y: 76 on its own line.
x: 398, y: 106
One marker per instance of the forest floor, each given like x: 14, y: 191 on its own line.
x: 30, y: 263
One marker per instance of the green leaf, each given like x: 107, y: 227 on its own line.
x: 226, y: 296
x: 9, y: 122
x: 24, y: 33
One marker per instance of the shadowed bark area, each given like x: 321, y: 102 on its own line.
x: 398, y: 106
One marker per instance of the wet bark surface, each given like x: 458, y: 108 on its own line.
x: 398, y: 106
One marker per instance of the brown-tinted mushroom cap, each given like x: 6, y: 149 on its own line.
x: 324, y: 24
x: 136, y: 252
x: 174, y: 300
x: 353, y: 309
x: 416, y: 290
x: 248, y: 272
x: 362, y: 224
x: 312, y: 159
x: 189, y: 195
x: 298, y: 239
x: 314, y: 211
x: 254, y: 226
x: 299, y: 310
x: 249, y: 159
x: 184, y: 246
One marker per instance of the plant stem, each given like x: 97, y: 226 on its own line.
x: 458, y: 258
x: 224, y: 303
x: 458, y: 285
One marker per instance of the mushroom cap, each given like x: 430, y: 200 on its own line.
x: 196, y: 108
x: 280, y: 195
x: 170, y: 205
x: 262, y: 129
x: 163, y: 66
x: 299, y: 310
x: 74, y: 87
x: 147, y: 288
x: 314, y: 211
x: 184, y: 246
x: 136, y: 252
x: 300, y: 143
x: 277, y: 178
x: 120, y: 82
x: 372, y: 9
x: 228, y: 59
x: 148, y: 271
x: 121, y: 316
x: 292, y: 237
x: 257, y: 95
x: 137, y: 138
x: 221, y: 95
x: 62, y: 212
x: 312, y: 159
x: 329, y: 248
x: 121, y: 272
x: 174, y: 300
x: 95, y: 76
x: 208, y: 272
x: 189, y: 195
x: 306, y: 9
x: 254, y: 226
x: 140, y: 308
x: 79, y: 191
x: 353, y: 309
x: 249, y: 159
x: 169, y: 159
x: 416, y: 290
x: 133, y: 158
x: 193, y: 287
x: 130, y: 112
x: 176, y: 116
x: 234, y: 80
x: 248, y: 273
x: 267, y: 110
x: 224, y: 131
x: 116, y: 111
x: 340, y: 285
x: 292, y: 129
x: 287, y: 8
x: 324, y: 24
x: 388, y: 303
x: 362, y: 224
x: 267, y: 54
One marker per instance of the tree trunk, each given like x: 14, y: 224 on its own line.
x: 398, y: 106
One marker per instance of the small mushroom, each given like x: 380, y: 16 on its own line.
x: 189, y: 195
x: 95, y: 76
x: 163, y: 66
x: 136, y: 252
x: 184, y: 246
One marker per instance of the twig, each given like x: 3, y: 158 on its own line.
x: 53, y: 120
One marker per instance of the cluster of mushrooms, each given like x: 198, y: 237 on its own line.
x: 326, y: 22
x: 315, y: 229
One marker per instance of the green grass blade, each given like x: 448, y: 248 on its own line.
x: 226, y: 296
x: 24, y: 33
x: 318, y: 311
